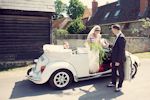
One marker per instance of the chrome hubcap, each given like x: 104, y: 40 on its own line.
x: 61, y: 79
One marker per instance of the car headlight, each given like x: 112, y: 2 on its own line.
x: 35, y: 60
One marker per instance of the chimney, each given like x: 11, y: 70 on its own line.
x: 94, y: 6
x: 143, y: 6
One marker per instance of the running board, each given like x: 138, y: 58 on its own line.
x: 93, y: 77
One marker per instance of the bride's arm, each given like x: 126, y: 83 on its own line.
x: 104, y: 43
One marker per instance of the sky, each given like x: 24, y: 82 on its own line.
x: 89, y: 2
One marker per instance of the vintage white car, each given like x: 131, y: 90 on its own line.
x: 60, y: 66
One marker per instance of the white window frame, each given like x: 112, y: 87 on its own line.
x: 107, y: 14
x: 117, y: 13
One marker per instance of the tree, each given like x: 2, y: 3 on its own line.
x: 60, y: 7
x: 75, y: 9
x: 60, y: 33
x: 146, y: 23
x: 144, y: 29
x: 76, y: 26
x: 146, y: 26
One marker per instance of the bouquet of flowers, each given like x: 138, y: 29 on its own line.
x: 97, y: 48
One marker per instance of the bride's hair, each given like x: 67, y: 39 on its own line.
x: 96, y: 27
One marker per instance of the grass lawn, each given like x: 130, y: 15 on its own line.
x: 143, y: 55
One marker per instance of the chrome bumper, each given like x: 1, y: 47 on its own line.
x: 33, y: 76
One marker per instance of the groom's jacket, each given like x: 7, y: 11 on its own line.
x: 118, y: 50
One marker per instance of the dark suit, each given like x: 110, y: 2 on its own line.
x: 118, y: 55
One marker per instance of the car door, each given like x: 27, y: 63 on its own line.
x: 127, y: 68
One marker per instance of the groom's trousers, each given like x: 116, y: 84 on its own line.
x: 120, y: 69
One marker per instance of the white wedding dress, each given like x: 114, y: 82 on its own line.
x: 93, y: 58
x: 93, y: 61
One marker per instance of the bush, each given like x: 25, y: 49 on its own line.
x: 75, y: 9
x: 60, y: 33
x: 76, y: 26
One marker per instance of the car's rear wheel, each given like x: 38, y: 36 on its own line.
x: 61, y: 79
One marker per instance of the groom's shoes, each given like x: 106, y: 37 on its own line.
x: 111, y: 85
x: 118, y: 89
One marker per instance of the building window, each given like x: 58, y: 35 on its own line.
x: 106, y: 16
x: 118, y: 4
x: 117, y: 13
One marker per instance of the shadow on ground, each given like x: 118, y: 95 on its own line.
x: 102, y: 92
x: 26, y: 88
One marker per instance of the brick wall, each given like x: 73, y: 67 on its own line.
x: 137, y: 44
x: 133, y: 45
x: 127, y: 29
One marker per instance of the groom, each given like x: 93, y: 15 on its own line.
x: 117, y: 57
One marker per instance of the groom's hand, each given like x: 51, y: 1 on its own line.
x: 117, y: 63
x: 110, y: 64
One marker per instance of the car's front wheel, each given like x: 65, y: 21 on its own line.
x: 61, y: 79
x: 134, y: 70
x: 29, y: 70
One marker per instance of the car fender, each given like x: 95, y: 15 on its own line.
x: 135, y: 59
x: 52, y: 67
x: 129, y: 64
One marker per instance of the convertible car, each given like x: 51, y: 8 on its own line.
x: 60, y: 67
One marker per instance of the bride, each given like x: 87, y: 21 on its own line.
x: 95, y: 45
